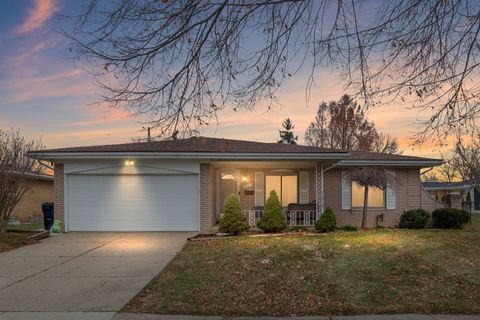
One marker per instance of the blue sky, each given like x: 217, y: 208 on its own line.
x: 45, y: 94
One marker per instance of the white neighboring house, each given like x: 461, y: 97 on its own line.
x: 455, y: 193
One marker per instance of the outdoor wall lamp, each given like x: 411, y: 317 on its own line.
x: 129, y: 163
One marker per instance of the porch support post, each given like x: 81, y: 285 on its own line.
x: 207, y: 214
x: 320, y: 189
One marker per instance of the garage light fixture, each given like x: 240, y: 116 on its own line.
x: 129, y: 163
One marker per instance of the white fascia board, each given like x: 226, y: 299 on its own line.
x: 448, y: 188
x: 57, y: 156
x: 391, y: 163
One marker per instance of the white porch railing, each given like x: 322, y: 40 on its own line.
x: 293, y: 217
x: 253, y: 216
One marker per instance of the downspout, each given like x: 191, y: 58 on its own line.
x: 316, y: 191
x: 323, y: 189
x: 331, y: 167
x: 322, y: 171
x: 421, y: 185
x: 431, y: 168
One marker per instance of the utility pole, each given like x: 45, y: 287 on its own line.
x: 149, y: 137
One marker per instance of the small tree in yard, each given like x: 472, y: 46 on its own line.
x: 272, y: 219
x: 369, y: 177
x: 233, y: 220
x: 15, y: 168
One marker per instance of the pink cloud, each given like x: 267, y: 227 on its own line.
x: 94, y: 137
x: 100, y: 114
x: 26, y: 85
x: 41, y: 11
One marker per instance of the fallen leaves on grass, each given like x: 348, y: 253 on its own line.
x: 387, y: 271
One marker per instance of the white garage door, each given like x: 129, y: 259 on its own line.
x: 132, y: 203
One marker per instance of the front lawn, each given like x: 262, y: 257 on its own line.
x: 367, y: 272
x: 475, y: 222
x: 12, y: 240
x: 26, y: 226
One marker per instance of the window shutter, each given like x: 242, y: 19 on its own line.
x: 259, y: 189
x: 346, y: 191
x: 391, y: 196
x: 303, y: 187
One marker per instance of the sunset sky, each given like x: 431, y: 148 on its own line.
x: 44, y: 93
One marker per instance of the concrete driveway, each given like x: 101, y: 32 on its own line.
x: 78, y: 272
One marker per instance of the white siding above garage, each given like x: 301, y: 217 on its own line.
x: 140, y: 167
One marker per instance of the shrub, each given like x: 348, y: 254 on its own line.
x: 272, y: 219
x: 468, y: 198
x: 233, y: 220
x: 414, y: 219
x: 450, y: 218
x: 297, y: 229
x: 327, y: 221
x: 349, y: 228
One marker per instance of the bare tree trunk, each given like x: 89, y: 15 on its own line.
x: 365, y: 206
x: 3, y: 226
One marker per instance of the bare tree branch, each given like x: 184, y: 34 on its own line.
x: 175, y: 64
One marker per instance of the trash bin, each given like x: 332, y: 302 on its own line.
x: 47, y: 209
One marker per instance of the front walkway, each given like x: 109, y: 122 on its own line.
x: 77, y: 272
x: 126, y: 316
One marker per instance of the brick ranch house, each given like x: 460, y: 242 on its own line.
x: 181, y: 185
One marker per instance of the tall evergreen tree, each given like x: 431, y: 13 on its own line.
x: 287, y: 136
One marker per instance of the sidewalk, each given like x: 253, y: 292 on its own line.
x: 136, y: 316
x: 132, y: 316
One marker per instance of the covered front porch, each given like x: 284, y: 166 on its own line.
x: 298, y: 184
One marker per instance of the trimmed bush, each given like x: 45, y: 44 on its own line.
x: 414, y: 219
x: 297, y: 229
x: 348, y: 228
x: 327, y: 222
x: 272, y: 219
x: 233, y: 220
x: 468, y: 198
x: 450, y: 218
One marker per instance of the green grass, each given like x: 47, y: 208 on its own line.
x: 26, y: 226
x: 12, y: 240
x: 367, y: 272
x: 475, y: 222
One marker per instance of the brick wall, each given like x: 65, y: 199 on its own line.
x: 59, y: 189
x: 207, y: 212
x: 409, y: 195
x: 429, y: 203
x: 31, y: 204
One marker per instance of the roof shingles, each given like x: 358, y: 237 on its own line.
x: 218, y: 145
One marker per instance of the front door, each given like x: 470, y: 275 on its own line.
x: 228, y: 185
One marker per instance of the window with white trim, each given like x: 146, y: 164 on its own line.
x: 376, y: 196
x: 286, y: 188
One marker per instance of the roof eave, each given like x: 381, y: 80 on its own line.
x: 58, y: 156
x: 394, y: 163
x: 448, y: 188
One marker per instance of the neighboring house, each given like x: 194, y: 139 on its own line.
x: 29, y: 209
x: 455, y: 194
x: 181, y: 185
